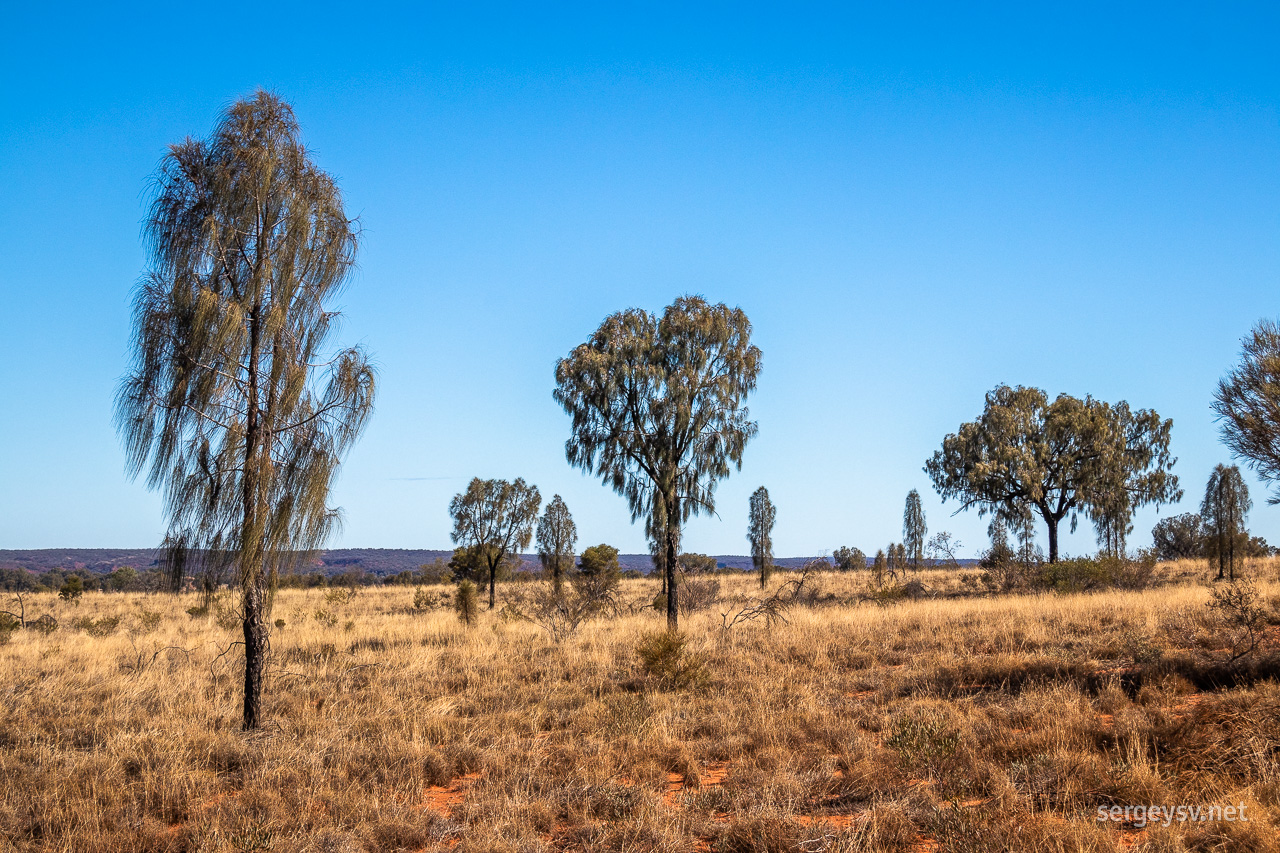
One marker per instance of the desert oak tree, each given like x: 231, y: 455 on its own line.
x: 496, y: 518
x: 914, y: 529
x: 761, y: 516
x: 233, y: 403
x: 557, y: 536
x: 1223, y: 513
x: 1247, y: 404
x: 658, y: 410
x: 1057, y: 458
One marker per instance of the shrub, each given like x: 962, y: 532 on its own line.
x: 423, y: 600
x: 1086, y: 573
x: 280, y: 623
x: 325, y: 618
x: 228, y: 618
x: 664, y: 657
x: 104, y: 627
x: 72, y: 590
x: 922, y: 741
x: 466, y: 603
x: 8, y: 625
x: 695, y: 595
x: 46, y: 624
x: 148, y: 620
x: 338, y: 597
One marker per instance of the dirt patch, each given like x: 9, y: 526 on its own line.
x: 443, y: 799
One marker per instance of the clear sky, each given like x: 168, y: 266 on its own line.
x: 912, y: 203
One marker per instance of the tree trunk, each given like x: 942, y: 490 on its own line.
x: 255, y: 650
x: 251, y: 540
x: 673, y: 554
x: 1053, y: 537
x: 493, y: 582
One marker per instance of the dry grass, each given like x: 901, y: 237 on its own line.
x: 959, y: 724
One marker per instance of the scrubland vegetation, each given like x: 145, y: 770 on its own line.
x: 938, y: 715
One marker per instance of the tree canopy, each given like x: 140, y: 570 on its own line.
x: 496, y: 518
x: 760, y: 518
x: 233, y: 404
x: 1247, y: 404
x: 1224, y: 513
x: 849, y: 559
x: 1059, y: 459
x: 557, y: 536
x: 1178, y: 537
x: 914, y: 529
x: 658, y: 411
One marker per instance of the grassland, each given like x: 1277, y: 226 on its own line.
x: 968, y: 723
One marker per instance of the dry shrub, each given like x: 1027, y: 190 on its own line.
x: 697, y: 594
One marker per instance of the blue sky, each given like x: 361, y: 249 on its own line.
x: 913, y: 204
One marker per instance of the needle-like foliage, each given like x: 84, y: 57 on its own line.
x: 914, y: 529
x: 557, y: 536
x: 234, y: 406
x: 658, y: 411
x: 1248, y: 404
x: 761, y: 516
x: 1224, y: 513
x: 496, y: 518
x: 1059, y: 458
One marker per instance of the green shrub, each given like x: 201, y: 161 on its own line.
x: 8, y: 625
x: 338, y: 597
x: 72, y: 590
x: 46, y: 624
x: 665, y: 657
x: 423, y: 600
x: 466, y: 603
x: 104, y: 627
x: 325, y: 618
x: 148, y: 621
x: 1080, y: 574
x: 228, y: 618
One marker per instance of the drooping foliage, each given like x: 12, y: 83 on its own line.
x: 235, y: 406
x: 658, y: 411
x: 761, y: 517
x: 1058, y: 459
x: 496, y: 518
x: 1224, y: 513
x: 557, y: 536
x: 1247, y: 404
x: 914, y: 529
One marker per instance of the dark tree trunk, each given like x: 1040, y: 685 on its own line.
x: 255, y: 651
x: 493, y: 582
x: 251, y: 541
x: 1053, y: 537
x: 673, y: 554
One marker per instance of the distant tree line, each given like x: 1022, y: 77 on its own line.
x: 122, y: 579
